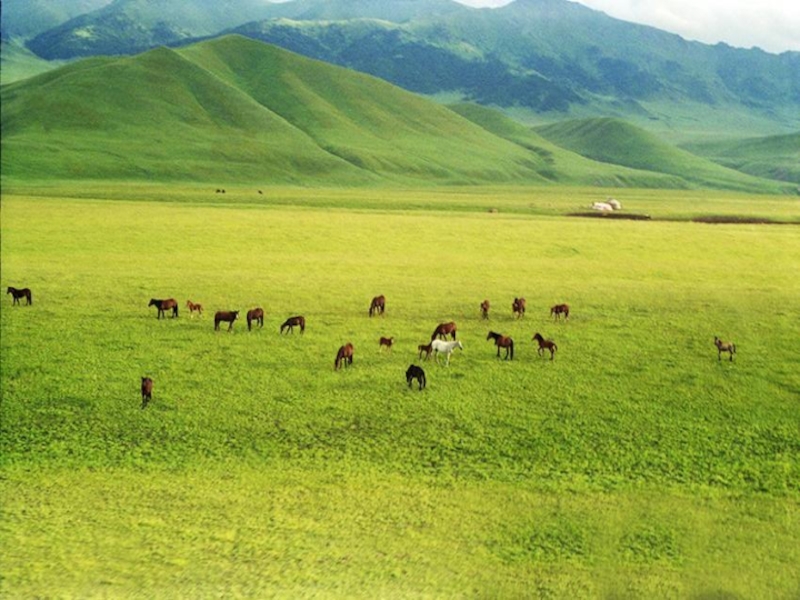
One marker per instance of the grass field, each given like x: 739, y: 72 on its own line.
x: 633, y: 465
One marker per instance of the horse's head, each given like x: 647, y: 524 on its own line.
x: 459, y: 345
x: 153, y: 302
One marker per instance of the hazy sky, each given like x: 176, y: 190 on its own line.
x: 772, y: 25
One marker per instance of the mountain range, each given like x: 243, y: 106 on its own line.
x: 232, y: 109
x: 541, y: 59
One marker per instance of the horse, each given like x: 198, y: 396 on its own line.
x: 485, y: 309
x: 228, y: 316
x: 728, y: 347
x: 290, y: 323
x: 518, y: 307
x: 545, y: 345
x: 415, y: 372
x: 165, y: 305
x: 147, y: 391
x: 385, y: 342
x: 502, y: 341
x: 443, y: 330
x: 17, y: 294
x: 558, y: 310
x: 344, y: 355
x: 257, y: 315
x: 446, y: 348
x: 194, y: 307
x: 426, y: 348
x: 377, y: 306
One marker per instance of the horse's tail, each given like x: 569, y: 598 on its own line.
x: 511, y: 349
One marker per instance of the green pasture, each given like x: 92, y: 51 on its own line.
x: 633, y: 465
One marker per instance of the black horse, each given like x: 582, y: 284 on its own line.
x: 16, y: 294
x: 415, y: 372
x: 228, y: 316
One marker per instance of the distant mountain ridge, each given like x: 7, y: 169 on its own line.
x: 547, y: 56
x: 234, y: 109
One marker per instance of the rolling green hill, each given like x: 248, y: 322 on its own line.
x: 774, y: 157
x: 233, y: 109
x: 616, y: 141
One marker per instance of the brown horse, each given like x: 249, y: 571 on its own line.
x: 257, y: 315
x: 16, y: 294
x: 165, y: 305
x: 385, y: 342
x: 545, y: 345
x: 292, y: 322
x: 344, y: 356
x: 558, y: 310
x: 377, y: 306
x: 415, y: 372
x: 198, y: 308
x: 502, y: 341
x: 443, y: 330
x: 426, y: 348
x: 147, y: 391
x: 728, y: 347
x: 227, y: 316
x: 518, y: 307
x: 485, y: 309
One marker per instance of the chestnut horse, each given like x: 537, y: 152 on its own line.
x: 377, y: 306
x: 165, y: 305
x: 485, y: 309
x: 560, y: 309
x: 443, y: 330
x: 728, y: 347
x: 345, y: 355
x: 545, y: 345
x: 385, y: 342
x: 426, y: 348
x: 502, y: 341
x: 227, y: 316
x: 257, y: 315
x: 518, y: 307
x: 292, y: 322
x: 194, y: 307
x: 415, y: 372
x: 17, y: 294
x: 147, y: 391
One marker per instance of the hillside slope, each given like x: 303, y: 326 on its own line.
x: 616, y: 141
x: 774, y: 157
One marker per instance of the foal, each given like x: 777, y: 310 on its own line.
x: 545, y: 345
x: 386, y: 343
x: 485, y: 309
x: 147, y: 391
x: 194, y: 307
x: 426, y: 348
x: 728, y: 347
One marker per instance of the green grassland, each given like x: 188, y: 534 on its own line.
x: 633, y: 465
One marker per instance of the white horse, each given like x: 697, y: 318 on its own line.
x: 602, y: 207
x: 446, y: 347
x: 614, y: 203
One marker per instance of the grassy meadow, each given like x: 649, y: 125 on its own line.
x: 633, y: 465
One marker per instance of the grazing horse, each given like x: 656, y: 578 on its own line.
x: 545, y: 345
x: 344, y: 355
x: 386, y: 343
x: 443, y: 330
x: 147, y: 391
x: 377, y: 306
x: 290, y: 323
x: 415, y: 372
x: 228, y: 316
x: 426, y: 348
x: 728, y: 347
x: 485, y: 309
x: 558, y: 310
x: 17, y: 294
x: 502, y: 341
x: 446, y: 348
x: 518, y: 307
x: 165, y: 305
x: 257, y: 315
x: 194, y: 307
